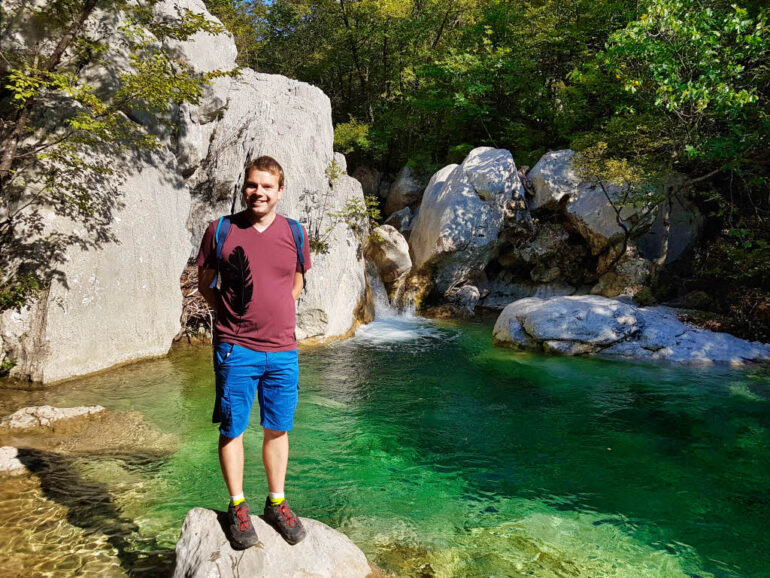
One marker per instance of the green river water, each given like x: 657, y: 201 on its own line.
x: 438, y: 455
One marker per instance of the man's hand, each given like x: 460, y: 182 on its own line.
x: 205, y: 277
x: 298, y: 284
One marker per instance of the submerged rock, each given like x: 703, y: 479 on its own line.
x: 579, y: 325
x: 84, y: 430
x: 44, y: 416
x: 204, y: 550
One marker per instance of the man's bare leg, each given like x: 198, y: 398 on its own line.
x: 231, y: 462
x: 275, y: 456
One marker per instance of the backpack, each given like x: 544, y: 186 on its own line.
x: 223, y: 229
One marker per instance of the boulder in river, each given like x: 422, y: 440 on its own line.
x: 203, y: 550
x: 389, y: 251
x: 579, y: 325
x: 585, y: 204
x: 457, y: 230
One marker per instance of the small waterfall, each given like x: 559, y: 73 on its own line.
x: 391, y: 325
x: 382, y: 306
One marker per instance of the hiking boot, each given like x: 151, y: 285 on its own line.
x: 242, y: 532
x: 284, y: 521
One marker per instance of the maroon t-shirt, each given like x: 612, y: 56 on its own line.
x: 257, y: 276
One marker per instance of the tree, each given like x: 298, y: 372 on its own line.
x: 68, y: 113
x: 693, y: 101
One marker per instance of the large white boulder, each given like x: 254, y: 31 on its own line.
x: 203, y: 550
x: 463, y: 210
x: 389, y: 251
x: 578, y: 325
x: 120, y: 302
x: 123, y: 302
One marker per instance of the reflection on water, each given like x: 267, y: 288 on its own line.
x: 439, y: 455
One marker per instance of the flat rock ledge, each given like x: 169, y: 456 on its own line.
x: 203, y: 550
x: 594, y: 325
x: 44, y: 416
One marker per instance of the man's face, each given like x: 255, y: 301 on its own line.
x: 261, y: 193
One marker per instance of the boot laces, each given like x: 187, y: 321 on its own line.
x: 243, y: 518
x: 287, y: 514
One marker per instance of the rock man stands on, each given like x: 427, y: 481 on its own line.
x: 255, y: 349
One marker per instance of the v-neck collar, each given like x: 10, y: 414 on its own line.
x: 266, y: 229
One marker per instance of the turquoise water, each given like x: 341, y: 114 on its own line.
x: 441, y: 455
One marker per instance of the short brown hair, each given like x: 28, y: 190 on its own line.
x: 264, y: 163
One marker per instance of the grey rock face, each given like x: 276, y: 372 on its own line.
x: 203, y: 550
x: 119, y: 303
x: 123, y: 302
x: 402, y: 221
x: 457, y: 230
x: 44, y: 416
x: 580, y: 325
x: 389, y: 251
x: 553, y: 179
x: 290, y: 121
x: 336, y: 285
x: 10, y: 465
x: 686, y: 222
x: 406, y: 190
x: 585, y: 204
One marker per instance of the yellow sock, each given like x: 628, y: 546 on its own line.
x: 276, y: 501
x: 235, y: 500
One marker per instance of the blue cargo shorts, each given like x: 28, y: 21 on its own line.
x: 242, y: 374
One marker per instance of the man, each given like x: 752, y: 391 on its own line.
x: 255, y: 349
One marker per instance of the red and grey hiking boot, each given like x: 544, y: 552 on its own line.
x: 284, y: 521
x: 242, y: 532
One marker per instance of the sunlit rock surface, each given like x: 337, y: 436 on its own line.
x: 10, y: 463
x: 123, y: 302
x: 464, y: 207
x: 204, y: 550
x: 578, y: 325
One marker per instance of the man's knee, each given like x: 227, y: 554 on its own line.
x: 271, y: 434
x: 225, y: 441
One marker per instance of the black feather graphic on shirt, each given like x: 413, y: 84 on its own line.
x: 237, y: 274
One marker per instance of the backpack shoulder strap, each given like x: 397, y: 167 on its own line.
x: 220, y: 236
x: 299, y: 242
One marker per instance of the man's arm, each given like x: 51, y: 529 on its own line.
x: 205, y: 277
x: 297, y: 289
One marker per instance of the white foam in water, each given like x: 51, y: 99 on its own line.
x: 391, y: 325
x: 396, y: 328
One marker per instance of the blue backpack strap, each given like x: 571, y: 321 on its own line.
x: 223, y: 229
x: 299, y: 242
